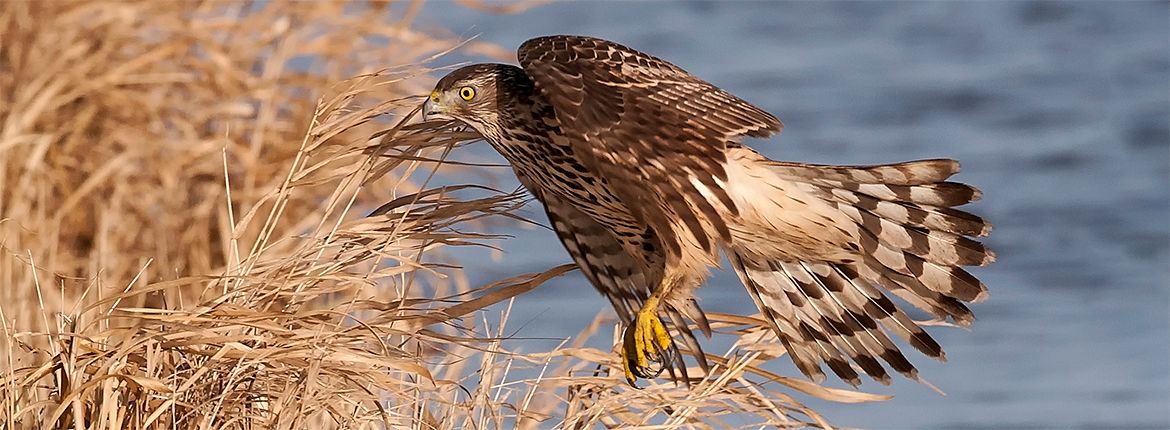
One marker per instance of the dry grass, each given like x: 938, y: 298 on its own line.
x: 184, y: 241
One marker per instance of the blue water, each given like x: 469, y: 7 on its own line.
x: 1058, y: 111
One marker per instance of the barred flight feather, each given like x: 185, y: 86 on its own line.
x: 641, y: 172
x: 899, y: 232
x: 622, y: 278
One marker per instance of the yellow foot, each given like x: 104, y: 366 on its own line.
x: 645, y: 341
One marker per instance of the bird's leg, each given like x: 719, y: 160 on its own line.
x: 646, y: 339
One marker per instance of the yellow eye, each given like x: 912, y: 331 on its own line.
x: 467, y: 93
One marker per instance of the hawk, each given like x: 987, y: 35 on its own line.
x: 644, y: 178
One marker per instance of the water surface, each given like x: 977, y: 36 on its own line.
x: 1058, y: 112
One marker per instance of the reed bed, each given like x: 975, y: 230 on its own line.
x: 219, y: 215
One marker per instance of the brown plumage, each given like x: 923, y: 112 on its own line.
x: 640, y: 169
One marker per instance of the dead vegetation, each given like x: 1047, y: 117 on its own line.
x: 184, y: 239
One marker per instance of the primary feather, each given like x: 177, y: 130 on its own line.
x: 639, y: 167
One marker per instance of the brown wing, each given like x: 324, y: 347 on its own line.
x: 650, y: 128
x: 620, y: 277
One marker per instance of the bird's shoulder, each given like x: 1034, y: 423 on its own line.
x: 586, y: 51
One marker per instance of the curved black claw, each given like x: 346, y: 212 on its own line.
x: 646, y: 348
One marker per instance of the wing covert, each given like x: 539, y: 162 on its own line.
x: 657, y: 133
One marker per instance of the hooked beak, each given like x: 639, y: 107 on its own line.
x: 432, y: 108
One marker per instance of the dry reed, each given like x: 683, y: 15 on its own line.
x: 184, y: 239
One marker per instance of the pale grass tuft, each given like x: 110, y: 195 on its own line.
x: 194, y: 233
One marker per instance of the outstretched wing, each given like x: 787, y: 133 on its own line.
x: 909, y: 240
x: 654, y: 131
x: 620, y: 277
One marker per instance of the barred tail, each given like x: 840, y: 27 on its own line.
x: 886, y: 228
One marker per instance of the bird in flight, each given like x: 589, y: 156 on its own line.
x: 644, y: 178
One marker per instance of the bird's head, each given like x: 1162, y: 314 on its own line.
x: 477, y: 95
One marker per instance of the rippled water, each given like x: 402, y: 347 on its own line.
x: 1057, y: 110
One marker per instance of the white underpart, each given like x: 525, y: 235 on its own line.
x: 779, y: 219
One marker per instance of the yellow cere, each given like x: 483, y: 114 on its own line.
x: 435, y: 96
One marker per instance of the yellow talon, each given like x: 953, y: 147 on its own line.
x: 645, y: 340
